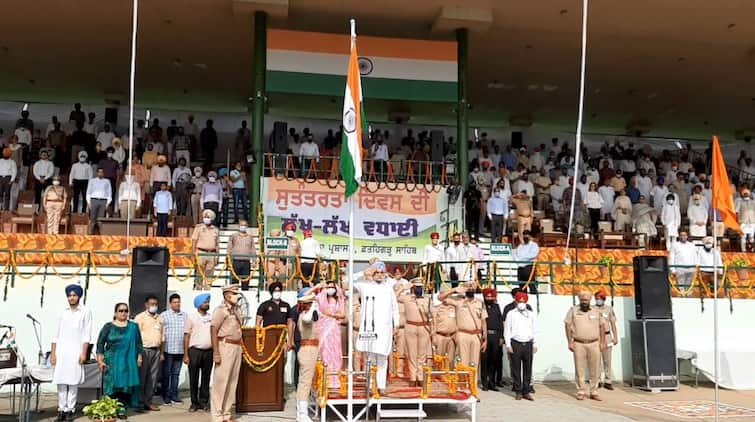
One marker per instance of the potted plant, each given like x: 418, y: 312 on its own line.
x: 605, y: 262
x: 105, y: 409
x: 740, y: 265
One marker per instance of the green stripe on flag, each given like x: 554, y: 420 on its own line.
x: 347, y: 167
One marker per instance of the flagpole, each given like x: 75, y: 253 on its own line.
x: 715, y: 301
x: 350, y: 390
x: 132, y: 77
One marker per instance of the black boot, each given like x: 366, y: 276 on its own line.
x: 61, y: 416
x: 69, y: 416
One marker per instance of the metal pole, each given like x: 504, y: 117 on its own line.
x: 134, y: 28
x: 258, y: 110
x: 462, y: 107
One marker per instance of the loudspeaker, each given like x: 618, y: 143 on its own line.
x: 654, y: 364
x: 652, y: 293
x: 111, y: 116
x: 149, y: 276
x: 517, y: 140
x: 436, y: 145
x: 280, y: 138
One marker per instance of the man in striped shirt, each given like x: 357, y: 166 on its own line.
x: 174, y: 321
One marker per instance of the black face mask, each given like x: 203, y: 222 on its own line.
x: 418, y: 291
x: 470, y: 293
x: 526, y: 239
x: 489, y: 301
x: 456, y: 242
x: 584, y: 307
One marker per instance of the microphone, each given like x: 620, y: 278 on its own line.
x: 32, y: 318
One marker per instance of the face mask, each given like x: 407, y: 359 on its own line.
x: 708, y: 247
x: 746, y: 198
x: 456, y: 242
x: 82, y: 159
x: 56, y: 182
x: 109, y: 155
x: 152, y: 309
x: 198, y: 173
x: 242, y: 229
x: 599, y: 302
x: 212, y: 179
x: 670, y: 202
x: 521, y: 306
x: 584, y: 307
x: 526, y: 239
x: 469, y: 294
x: 683, y: 239
x: 276, y: 295
x: 418, y: 291
x: 331, y: 291
x: 207, y: 221
x: 346, y: 293
x: 290, y: 233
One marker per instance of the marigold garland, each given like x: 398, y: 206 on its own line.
x: 19, y: 274
x: 201, y: 272
x: 98, y: 275
x: 276, y: 354
x: 76, y: 273
x: 471, y: 377
x: 229, y: 265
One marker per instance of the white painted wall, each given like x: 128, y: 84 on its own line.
x: 553, y: 361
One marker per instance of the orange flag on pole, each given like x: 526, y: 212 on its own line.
x: 723, y: 196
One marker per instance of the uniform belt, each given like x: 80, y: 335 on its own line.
x: 99, y: 199
x: 310, y: 342
x: 608, y: 332
x: 445, y: 334
x: 54, y: 200
x: 469, y: 331
x: 417, y: 324
x: 585, y: 341
x: 206, y: 250
x: 229, y: 340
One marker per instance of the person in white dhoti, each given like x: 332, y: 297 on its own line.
x: 745, y: 208
x: 698, y: 212
x: 621, y: 212
x: 671, y: 218
x: 379, y: 321
x: 643, y: 220
x: 682, y: 259
x: 70, y: 345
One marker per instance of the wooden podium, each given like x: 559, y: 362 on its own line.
x: 260, y: 391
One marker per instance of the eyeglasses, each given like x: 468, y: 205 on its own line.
x: 122, y: 310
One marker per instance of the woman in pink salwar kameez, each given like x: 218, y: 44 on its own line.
x: 330, y: 301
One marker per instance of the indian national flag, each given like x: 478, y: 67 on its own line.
x: 354, y: 124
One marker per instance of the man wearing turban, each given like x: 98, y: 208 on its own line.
x: 70, y: 349
x: 198, y: 352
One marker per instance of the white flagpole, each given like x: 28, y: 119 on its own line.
x: 134, y: 24
x: 350, y: 391
x: 715, y: 301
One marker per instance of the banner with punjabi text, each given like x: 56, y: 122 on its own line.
x: 394, y: 225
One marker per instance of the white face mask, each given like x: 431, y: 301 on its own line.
x: 207, y: 221
x: 331, y: 291
x: 242, y: 229
x: 198, y: 173
x: 599, y: 302
x: 56, y: 182
x: 152, y: 309
x: 746, y: 198
x: 211, y: 179
x: 109, y: 155
x: 82, y: 159
x: 276, y: 295
x: 290, y: 233
x: 521, y: 306
x: 670, y: 202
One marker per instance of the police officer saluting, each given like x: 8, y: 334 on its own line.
x: 492, y: 357
x: 417, y: 331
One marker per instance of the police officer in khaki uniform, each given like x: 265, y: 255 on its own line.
x: 471, y: 325
x: 54, y: 201
x: 204, y: 239
x: 308, y: 353
x: 444, y: 330
x: 417, y: 329
x: 294, y: 247
x: 225, y: 332
x: 399, y: 338
x: 586, y: 334
x: 612, y: 339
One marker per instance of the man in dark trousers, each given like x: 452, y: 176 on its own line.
x: 492, y: 355
x: 506, y: 310
x: 520, y: 331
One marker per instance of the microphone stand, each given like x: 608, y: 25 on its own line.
x: 38, y: 334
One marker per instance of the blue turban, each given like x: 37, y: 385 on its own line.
x: 75, y: 288
x: 200, y: 299
x: 379, y: 265
x: 302, y: 292
x: 661, y: 179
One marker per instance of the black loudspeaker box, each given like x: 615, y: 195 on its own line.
x: 111, y: 116
x: 652, y: 293
x: 149, y: 276
x: 517, y: 140
x: 436, y: 147
x: 280, y: 138
x: 654, y: 364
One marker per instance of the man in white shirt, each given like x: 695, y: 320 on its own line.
x: 682, y: 259
x: 51, y: 126
x: 556, y: 192
x: 43, y: 171
x: 698, y: 212
x: 8, y: 173
x: 310, y: 251
x: 129, y: 197
x: 524, y: 185
x: 433, y: 254
x: 78, y: 177
x: 99, y: 196
x: 583, y: 186
x: 24, y: 136
x: 519, y: 332
x: 537, y: 160
x: 90, y: 126
x: 644, y: 184
x: 658, y: 194
x: 745, y: 209
x: 525, y: 255
x: 105, y: 138
x: 379, y: 153
x: 309, y: 154
x: 455, y: 253
x: 709, y: 260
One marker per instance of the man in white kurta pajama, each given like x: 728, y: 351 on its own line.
x: 380, y: 318
x: 70, y: 344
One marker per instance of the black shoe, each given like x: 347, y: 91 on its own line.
x: 61, y: 416
x: 608, y: 387
x: 193, y: 408
x: 493, y: 388
x: 176, y: 400
x: 484, y: 387
x: 69, y: 417
x: 501, y: 384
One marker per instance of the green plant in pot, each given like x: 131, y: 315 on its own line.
x: 605, y: 263
x: 740, y: 266
x: 104, y: 409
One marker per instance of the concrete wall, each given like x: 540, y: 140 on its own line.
x: 553, y: 362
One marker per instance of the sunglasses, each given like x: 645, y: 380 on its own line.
x: 122, y: 310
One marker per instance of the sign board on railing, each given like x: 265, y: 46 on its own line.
x: 500, y: 249
x: 276, y: 243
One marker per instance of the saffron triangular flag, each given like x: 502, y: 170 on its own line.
x: 723, y: 196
